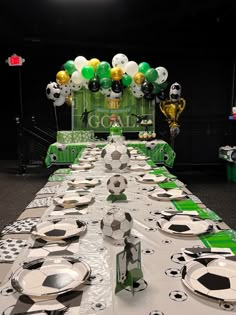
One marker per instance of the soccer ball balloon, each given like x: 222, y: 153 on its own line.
x: 175, y: 92
x: 115, y: 156
x: 53, y: 91
x: 116, y: 224
x: 117, y: 184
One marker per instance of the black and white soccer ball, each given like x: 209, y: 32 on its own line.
x: 136, y: 90
x: 115, y: 156
x: 73, y: 86
x: 117, y: 184
x: 53, y: 91
x: 116, y: 224
x: 175, y: 92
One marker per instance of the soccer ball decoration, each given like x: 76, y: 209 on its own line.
x: 175, y: 92
x: 53, y: 91
x: 116, y: 224
x: 115, y: 156
x: 116, y: 185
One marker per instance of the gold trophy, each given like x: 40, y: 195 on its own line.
x: 172, y: 110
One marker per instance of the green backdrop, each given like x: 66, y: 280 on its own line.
x: 102, y: 108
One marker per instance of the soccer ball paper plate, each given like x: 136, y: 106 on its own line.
x: 140, y: 167
x: 82, y: 166
x: 47, y: 277
x: 73, y: 200
x: 89, y: 182
x: 168, y: 195
x: 184, y: 225
x: 212, y: 276
x: 58, y: 229
x: 150, y: 179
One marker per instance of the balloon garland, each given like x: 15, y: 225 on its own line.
x: 143, y: 81
x: 95, y: 75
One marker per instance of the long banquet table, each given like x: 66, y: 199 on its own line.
x: 162, y: 291
x: 65, y: 153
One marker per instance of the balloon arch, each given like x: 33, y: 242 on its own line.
x: 121, y: 89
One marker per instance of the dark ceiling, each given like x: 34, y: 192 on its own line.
x: 178, y: 25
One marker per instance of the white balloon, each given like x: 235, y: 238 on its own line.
x: 131, y: 68
x: 77, y: 77
x: 60, y: 101
x: 120, y: 60
x: 162, y: 75
x: 80, y: 62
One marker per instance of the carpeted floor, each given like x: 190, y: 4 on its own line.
x: 209, y: 184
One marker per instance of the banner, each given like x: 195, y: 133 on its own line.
x: 96, y: 111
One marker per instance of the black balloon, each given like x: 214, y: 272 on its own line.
x: 94, y: 85
x: 162, y: 95
x: 147, y: 87
x: 116, y: 86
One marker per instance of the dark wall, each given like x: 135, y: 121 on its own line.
x: 206, y: 86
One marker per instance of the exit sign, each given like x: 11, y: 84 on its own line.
x: 15, y: 60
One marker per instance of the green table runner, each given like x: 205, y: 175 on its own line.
x: 221, y: 239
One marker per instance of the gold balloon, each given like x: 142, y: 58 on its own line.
x: 172, y: 110
x: 69, y: 100
x: 116, y: 73
x: 62, y: 77
x: 94, y: 62
x: 139, y: 78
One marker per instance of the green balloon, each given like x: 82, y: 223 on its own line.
x: 103, y: 70
x: 156, y: 88
x: 143, y: 67
x: 151, y: 75
x: 106, y: 83
x: 70, y: 67
x: 87, y: 72
x: 126, y: 79
x: 164, y: 85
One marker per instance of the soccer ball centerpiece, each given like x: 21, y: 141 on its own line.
x: 115, y: 156
x: 116, y: 185
x: 116, y: 224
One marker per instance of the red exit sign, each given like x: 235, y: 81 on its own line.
x: 15, y: 60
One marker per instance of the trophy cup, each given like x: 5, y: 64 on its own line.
x: 172, y: 110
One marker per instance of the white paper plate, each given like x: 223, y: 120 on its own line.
x: 84, y: 182
x: 139, y: 157
x: 88, y: 159
x: 184, y: 225
x: 59, y: 229
x: 47, y: 277
x: 82, y: 166
x: 138, y: 167
x: 212, y: 276
x: 73, y: 200
x: 171, y: 194
x: 151, y: 179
